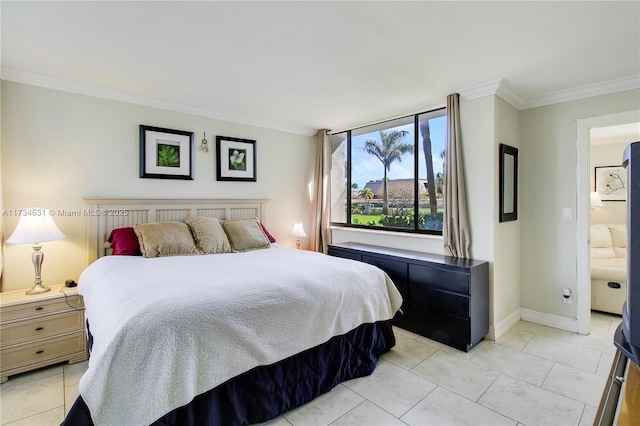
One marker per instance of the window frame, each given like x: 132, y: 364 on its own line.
x: 416, y: 180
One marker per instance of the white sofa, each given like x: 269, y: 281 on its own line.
x: 608, y: 267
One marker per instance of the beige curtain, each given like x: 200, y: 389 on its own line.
x: 455, y: 227
x: 1, y: 231
x: 321, y: 214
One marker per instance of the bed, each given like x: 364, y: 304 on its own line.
x: 226, y: 338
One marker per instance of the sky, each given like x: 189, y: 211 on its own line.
x: 366, y: 167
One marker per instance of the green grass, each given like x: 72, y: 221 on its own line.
x: 363, y: 219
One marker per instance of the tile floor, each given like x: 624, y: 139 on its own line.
x: 533, y: 375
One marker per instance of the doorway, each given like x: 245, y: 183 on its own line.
x: 583, y: 208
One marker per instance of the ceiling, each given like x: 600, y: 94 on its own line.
x: 302, y: 66
x: 620, y: 134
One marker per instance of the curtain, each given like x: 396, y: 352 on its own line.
x: 321, y: 214
x: 455, y: 227
x: 1, y: 231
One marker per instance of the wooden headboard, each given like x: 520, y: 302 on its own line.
x: 107, y: 214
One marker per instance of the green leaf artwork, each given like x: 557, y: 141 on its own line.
x: 168, y: 155
x: 237, y: 159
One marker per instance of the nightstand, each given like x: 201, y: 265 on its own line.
x: 40, y: 330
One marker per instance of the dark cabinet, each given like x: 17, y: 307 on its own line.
x: 445, y: 298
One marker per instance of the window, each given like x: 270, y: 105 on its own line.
x: 390, y: 175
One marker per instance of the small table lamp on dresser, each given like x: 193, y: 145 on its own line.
x: 36, y: 226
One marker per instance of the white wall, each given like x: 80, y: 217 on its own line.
x: 548, y: 185
x: 506, y: 261
x: 479, y: 155
x: 607, y: 155
x: 58, y: 147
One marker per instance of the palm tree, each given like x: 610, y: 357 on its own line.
x: 431, y: 183
x: 366, y: 193
x: 389, y: 149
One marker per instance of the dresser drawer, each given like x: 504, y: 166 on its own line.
x: 41, y: 327
x: 451, y: 330
x: 443, y: 279
x: 443, y: 301
x: 44, y: 350
x: 32, y: 309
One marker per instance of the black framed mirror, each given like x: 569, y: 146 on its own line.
x: 508, y: 183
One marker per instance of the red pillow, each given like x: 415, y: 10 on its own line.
x: 124, y: 241
x: 267, y: 234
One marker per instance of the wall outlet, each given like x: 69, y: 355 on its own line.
x: 566, y: 296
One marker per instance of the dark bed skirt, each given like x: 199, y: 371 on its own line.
x: 265, y: 392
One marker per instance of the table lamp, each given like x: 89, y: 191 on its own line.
x: 36, y: 226
x: 298, y: 231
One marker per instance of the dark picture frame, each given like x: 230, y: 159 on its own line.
x: 611, y: 183
x: 166, y: 153
x: 508, y: 183
x: 235, y: 159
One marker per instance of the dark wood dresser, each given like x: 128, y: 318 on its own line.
x: 445, y: 298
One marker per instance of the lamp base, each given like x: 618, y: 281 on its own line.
x: 37, y: 257
x: 38, y: 289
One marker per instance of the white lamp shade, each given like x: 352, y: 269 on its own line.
x: 595, y: 200
x: 298, y: 230
x: 35, y: 226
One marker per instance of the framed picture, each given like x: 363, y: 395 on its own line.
x: 508, y: 191
x: 166, y: 153
x: 236, y: 159
x: 611, y: 183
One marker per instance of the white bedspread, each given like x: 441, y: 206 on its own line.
x: 168, y: 329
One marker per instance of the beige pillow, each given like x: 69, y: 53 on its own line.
x: 601, y: 242
x: 618, y: 235
x: 600, y: 236
x: 159, y: 239
x: 209, y: 235
x: 245, y: 234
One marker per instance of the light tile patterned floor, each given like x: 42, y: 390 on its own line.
x: 533, y: 375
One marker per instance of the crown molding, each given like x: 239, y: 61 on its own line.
x: 502, y: 89
x: 480, y: 90
x: 587, y: 91
x: 495, y: 87
x: 18, y: 76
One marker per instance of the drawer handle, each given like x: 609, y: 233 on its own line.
x: 41, y: 351
x: 612, y: 284
x: 39, y: 328
x: 39, y: 308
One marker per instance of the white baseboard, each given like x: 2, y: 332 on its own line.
x: 497, y: 330
x: 550, y: 320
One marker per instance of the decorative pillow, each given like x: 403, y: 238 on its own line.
x: 161, y: 239
x: 269, y: 236
x: 601, y: 243
x: 618, y: 235
x: 124, y: 241
x: 245, y: 234
x: 619, y: 239
x: 209, y: 235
